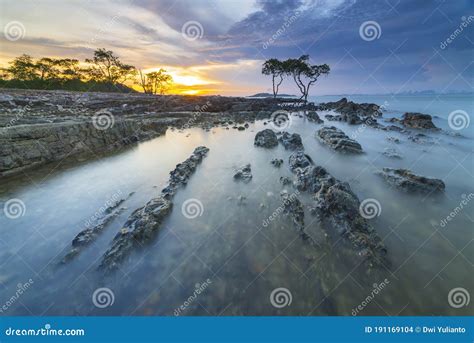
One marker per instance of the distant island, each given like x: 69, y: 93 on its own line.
x: 268, y: 95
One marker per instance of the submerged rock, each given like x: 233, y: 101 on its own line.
x: 417, y: 121
x: 407, y: 181
x: 140, y: 227
x: 293, y: 207
x: 291, y: 141
x: 285, y: 180
x: 338, y: 208
x: 392, y: 153
x: 299, y: 160
x: 338, y: 140
x: 87, y: 236
x: 344, y: 106
x: 314, y: 117
x: 143, y: 224
x: 183, y: 171
x: 244, y: 173
x: 277, y: 162
x: 266, y: 139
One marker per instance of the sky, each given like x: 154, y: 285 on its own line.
x: 218, y: 47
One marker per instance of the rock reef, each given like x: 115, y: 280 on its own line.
x: 409, y: 182
x: 338, y: 140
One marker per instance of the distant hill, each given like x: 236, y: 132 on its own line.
x: 268, y: 95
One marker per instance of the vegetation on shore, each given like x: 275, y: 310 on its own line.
x: 104, y: 72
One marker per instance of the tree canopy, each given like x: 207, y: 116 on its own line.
x: 302, y: 72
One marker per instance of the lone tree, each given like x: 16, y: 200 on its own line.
x: 304, y: 74
x: 275, y: 68
x: 155, y: 82
x: 107, y: 67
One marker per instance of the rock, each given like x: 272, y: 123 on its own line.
x: 299, y: 160
x: 293, y: 207
x: 285, y: 180
x: 266, y: 139
x: 291, y: 141
x: 314, y: 117
x: 243, y: 173
x: 344, y: 106
x: 393, y: 140
x: 277, y: 162
x: 350, y: 118
x: 392, y: 153
x: 140, y: 228
x: 241, y: 128
x: 337, y: 207
x: 183, y: 171
x: 143, y: 224
x: 417, y: 121
x: 407, y: 181
x: 338, y: 140
x: 100, y: 220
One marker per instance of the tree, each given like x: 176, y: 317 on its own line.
x: 275, y: 68
x: 155, y: 82
x: 22, y: 68
x: 107, y: 67
x: 304, y: 74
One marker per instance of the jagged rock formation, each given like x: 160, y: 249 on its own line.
x: 266, y: 139
x: 338, y: 140
x: 243, y: 173
x: 144, y: 223
x: 291, y: 141
x: 407, y: 181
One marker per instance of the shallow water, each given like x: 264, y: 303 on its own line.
x: 231, y: 250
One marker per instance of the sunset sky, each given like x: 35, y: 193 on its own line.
x: 227, y: 41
